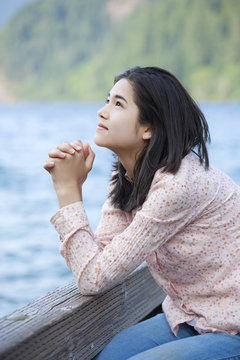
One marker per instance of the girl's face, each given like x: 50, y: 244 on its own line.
x: 118, y: 128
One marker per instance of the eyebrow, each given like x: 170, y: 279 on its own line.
x: 119, y: 97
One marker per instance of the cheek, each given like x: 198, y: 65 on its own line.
x: 118, y: 131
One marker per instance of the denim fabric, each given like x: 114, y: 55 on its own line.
x: 153, y: 340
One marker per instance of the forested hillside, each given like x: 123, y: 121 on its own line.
x: 9, y: 7
x: 71, y: 50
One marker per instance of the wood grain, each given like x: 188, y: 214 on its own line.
x: 67, y: 325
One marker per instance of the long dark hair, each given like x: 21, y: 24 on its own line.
x: 178, y: 127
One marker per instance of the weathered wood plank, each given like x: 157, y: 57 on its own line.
x: 66, y: 325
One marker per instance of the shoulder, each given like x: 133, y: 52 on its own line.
x: 187, y: 174
x: 177, y: 197
x: 192, y: 182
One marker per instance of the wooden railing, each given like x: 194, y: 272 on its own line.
x: 66, y: 325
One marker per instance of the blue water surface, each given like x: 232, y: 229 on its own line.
x: 30, y: 264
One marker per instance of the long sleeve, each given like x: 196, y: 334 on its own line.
x: 187, y: 230
x: 101, y: 260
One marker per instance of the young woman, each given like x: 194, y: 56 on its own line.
x: 166, y: 206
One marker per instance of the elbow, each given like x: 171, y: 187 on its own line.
x: 90, y: 289
x: 92, y: 282
x: 90, y: 292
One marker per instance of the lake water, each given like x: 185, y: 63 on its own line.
x: 30, y: 263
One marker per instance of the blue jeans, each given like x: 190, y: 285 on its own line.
x: 153, y: 340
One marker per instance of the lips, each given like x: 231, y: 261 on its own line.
x: 101, y: 126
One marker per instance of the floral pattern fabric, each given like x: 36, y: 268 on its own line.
x: 188, y: 232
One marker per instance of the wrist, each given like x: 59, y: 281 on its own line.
x: 68, y: 194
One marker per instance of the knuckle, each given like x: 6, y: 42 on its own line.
x: 52, y: 150
x: 78, y: 142
x: 64, y: 145
x: 61, y: 146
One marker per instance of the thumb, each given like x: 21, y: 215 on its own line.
x: 89, y: 159
x: 85, y: 150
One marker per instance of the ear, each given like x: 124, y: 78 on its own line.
x: 147, y: 134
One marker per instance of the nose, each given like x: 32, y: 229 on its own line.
x: 102, y: 113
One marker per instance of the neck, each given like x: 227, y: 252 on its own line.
x: 129, y: 167
x: 128, y: 160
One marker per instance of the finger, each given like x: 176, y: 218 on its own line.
x: 56, y: 153
x: 85, y: 150
x: 77, y: 145
x: 90, y: 159
x: 66, y: 147
x: 49, y: 165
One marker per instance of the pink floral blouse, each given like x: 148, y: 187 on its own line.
x: 188, y: 232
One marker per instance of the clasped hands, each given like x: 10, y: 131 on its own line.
x: 69, y: 165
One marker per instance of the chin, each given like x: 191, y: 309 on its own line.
x: 98, y: 142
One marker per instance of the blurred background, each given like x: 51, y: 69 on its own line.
x: 58, y: 59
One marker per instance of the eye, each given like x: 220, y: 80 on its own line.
x: 107, y: 101
x: 118, y: 103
